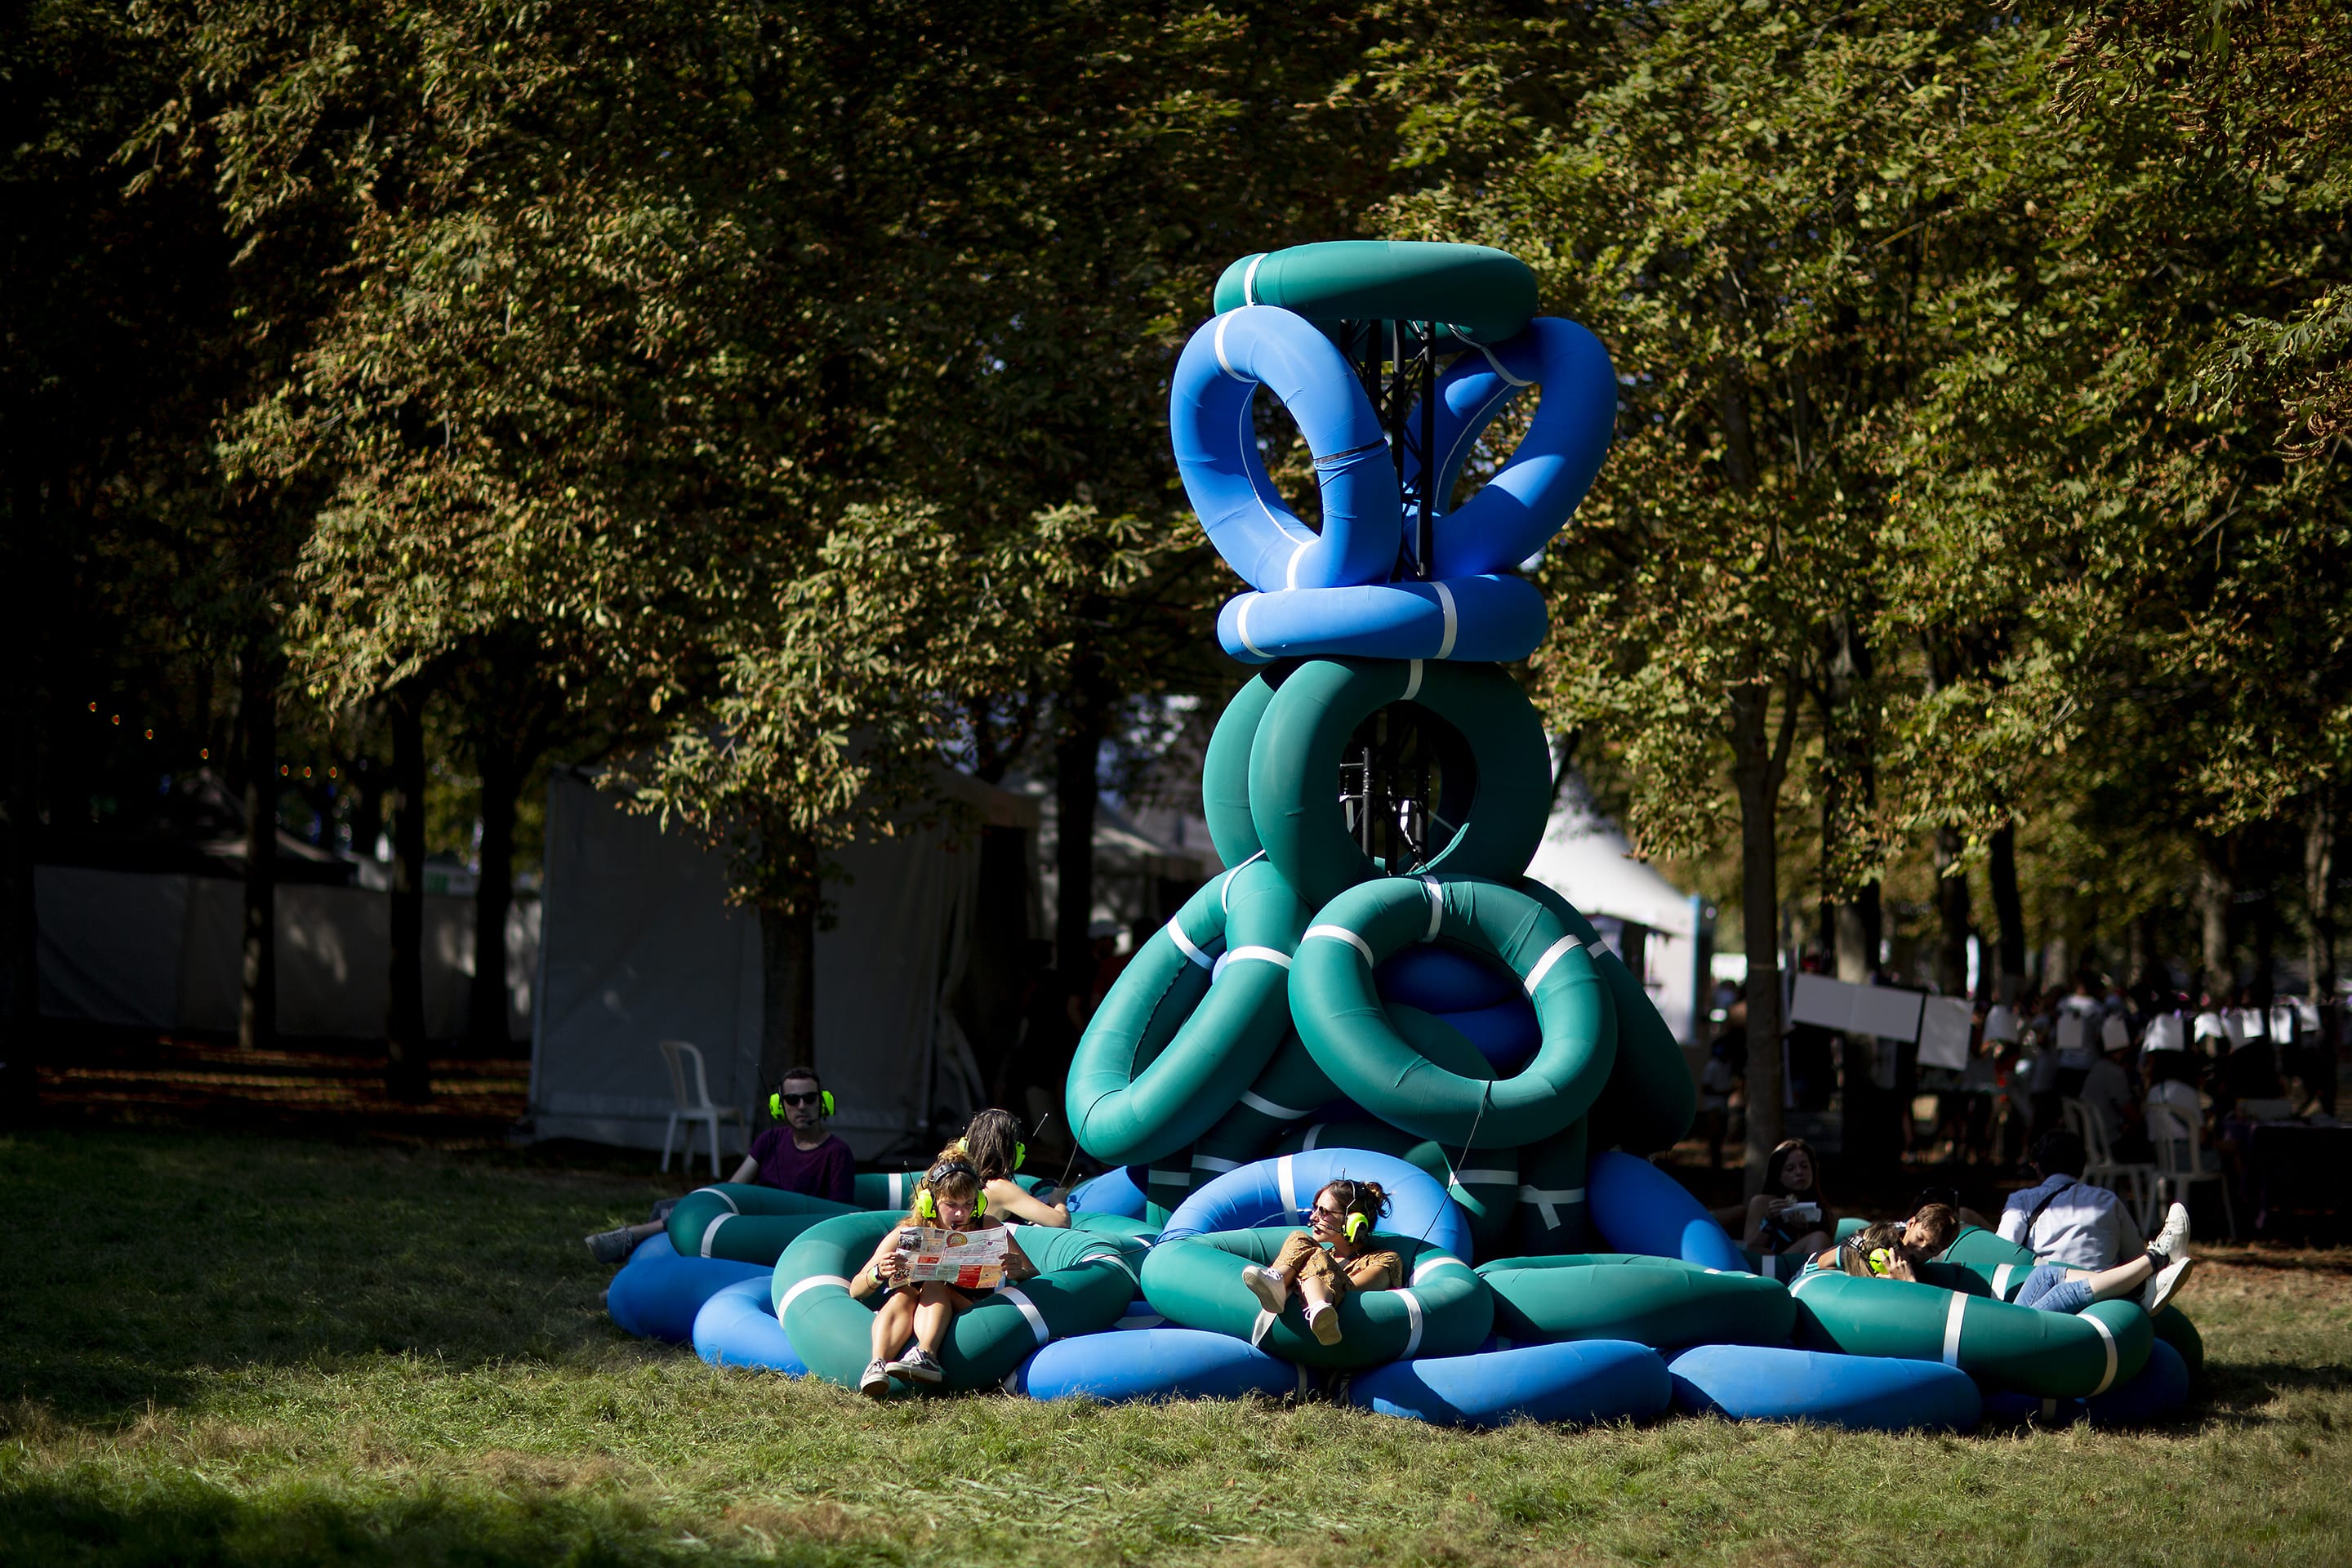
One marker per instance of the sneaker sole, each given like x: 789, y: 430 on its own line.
x: 1266, y: 1298
x: 874, y: 1388
x: 1332, y: 1320
x: 926, y: 1374
x: 2165, y: 1286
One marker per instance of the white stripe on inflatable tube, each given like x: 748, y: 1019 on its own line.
x: 1029, y: 1310
x: 1258, y: 1327
x: 2000, y: 1281
x: 1223, y: 363
x: 2107, y: 1342
x: 1436, y: 907
x: 1552, y: 955
x: 810, y: 1283
x: 1412, y: 681
x: 1452, y: 620
x: 1498, y: 366
x: 1249, y: 278
x: 1413, y: 1315
x: 1184, y: 945
x: 1285, y: 1179
x: 1430, y: 1260
x: 721, y: 1194
x: 1212, y: 1163
x: 1266, y: 1107
x: 710, y: 1231
x: 1114, y: 1257
x: 1341, y: 933
x: 1263, y: 955
x: 1241, y: 621
x: 1952, y: 1316
x: 1549, y: 1200
x: 1169, y: 1178
x: 1486, y: 1178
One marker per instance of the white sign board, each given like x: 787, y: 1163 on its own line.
x: 1944, y: 1023
x: 1886, y: 1011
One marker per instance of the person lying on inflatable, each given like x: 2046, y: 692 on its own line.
x: 798, y: 1155
x: 950, y: 1197
x: 1329, y: 1258
x: 991, y: 1144
x: 2153, y: 1276
x: 1888, y: 1249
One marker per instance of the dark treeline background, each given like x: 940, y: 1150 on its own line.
x: 765, y: 402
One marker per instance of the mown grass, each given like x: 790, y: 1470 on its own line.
x: 241, y: 1351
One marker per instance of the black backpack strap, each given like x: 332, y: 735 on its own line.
x: 2039, y: 1209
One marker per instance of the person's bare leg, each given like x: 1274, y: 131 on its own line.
x: 1322, y: 1303
x: 1812, y: 1242
x: 893, y: 1324
x: 933, y: 1313
x: 2106, y: 1284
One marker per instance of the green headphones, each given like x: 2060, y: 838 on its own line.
x: 824, y: 1104
x: 1359, y: 1222
x: 927, y: 1209
x: 1020, y: 1150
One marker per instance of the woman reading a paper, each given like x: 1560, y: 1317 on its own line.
x: 949, y: 1247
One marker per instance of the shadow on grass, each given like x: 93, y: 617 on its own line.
x: 2237, y: 1392
x: 182, y: 1521
x: 146, y: 1263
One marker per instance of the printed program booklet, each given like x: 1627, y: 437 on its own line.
x: 969, y: 1260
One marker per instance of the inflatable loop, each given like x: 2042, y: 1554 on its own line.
x: 1084, y: 1281
x: 1484, y: 1184
x: 1536, y: 492
x: 1129, y: 1104
x: 1295, y: 768
x: 1649, y: 1101
x: 1359, y: 1045
x: 1860, y: 1394
x: 1216, y: 441
x: 1650, y: 1300
x: 738, y: 1327
x: 1277, y: 1191
x: 743, y: 1223
x: 1599, y: 1380
x: 657, y: 1294
x: 1485, y: 619
x: 1474, y: 293
x: 2062, y: 1355
x: 1224, y: 773
x: 1443, y: 1309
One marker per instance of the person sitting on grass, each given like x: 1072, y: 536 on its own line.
x: 992, y: 1143
x: 1789, y: 1214
x: 2153, y: 1277
x: 950, y: 1197
x: 1331, y: 1258
x: 1890, y: 1248
x: 798, y: 1155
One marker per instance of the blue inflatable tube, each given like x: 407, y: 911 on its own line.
x: 1534, y: 494
x: 1507, y: 1035
x: 1438, y: 977
x: 1274, y: 1192
x: 1215, y: 442
x: 1115, y: 1192
x: 657, y: 1293
x: 1639, y: 1208
x: 1862, y: 1394
x: 2161, y: 1388
x: 1154, y: 1363
x: 738, y: 1327
x: 1485, y: 619
x: 1588, y: 1381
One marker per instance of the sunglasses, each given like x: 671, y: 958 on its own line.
x: 802, y: 1099
x: 1324, y: 1211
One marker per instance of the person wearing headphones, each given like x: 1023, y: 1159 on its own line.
x: 798, y: 1155
x: 991, y: 1144
x: 951, y: 1196
x: 1331, y: 1258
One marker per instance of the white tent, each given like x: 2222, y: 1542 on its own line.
x: 639, y: 945
x: 1586, y: 857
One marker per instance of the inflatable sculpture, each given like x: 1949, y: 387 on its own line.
x: 1374, y: 989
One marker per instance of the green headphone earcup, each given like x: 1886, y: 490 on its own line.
x: 824, y: 1101
x: 1020, y: 1155
x: 776, y: 1106
x: 1356, y: 1225
x: 979, y: 1203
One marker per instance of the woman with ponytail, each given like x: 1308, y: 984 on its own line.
x: 993, y: 1143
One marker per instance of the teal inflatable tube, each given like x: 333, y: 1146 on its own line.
x: 1650, y: 1100
x: 1639, y: 1208
x: 1128, y: 1105
x: 1155, y: 1364
x: 1650, y: 1300
x: 1553, y: 1194
x: 1225, y: 773
x: 1084, y: 1283
x: 743, y: 1223
x: 1289, y: 1090
x: 1216, y: 441
x: 1354, y: 1038
x: 738, y: 1327
x: 1443, y: 1309
x: 1296, y: 756
x: 1474, y: 293
x: 2001, y: 1265
x: 1598, y: 1379
x: 1860, y: 1394
x: 2159, y: 1392
x: 2066, y: 1355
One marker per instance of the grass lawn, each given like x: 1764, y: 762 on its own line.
x: 254, y: 1350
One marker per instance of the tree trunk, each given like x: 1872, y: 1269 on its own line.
x: 407, y: 1065
x: 2319, y: 899
x: 257, y: 1010
x: 788, y: 965
x: 486, y: 1003
x: 1952, y: 910
x: 2009, y: 908
x: 2147, y: 974
x: 1759, y: 763
x: 1861, y: 923
x: 2217, y: 891
x: 1075, y: 796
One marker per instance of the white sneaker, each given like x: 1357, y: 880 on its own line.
x: 875, y: 1381
x: 2173, y: 1239
x: 2168, y: 1280
x: 1266, y: 1285
x: 917, y: 1365
x: 1324, y: 1321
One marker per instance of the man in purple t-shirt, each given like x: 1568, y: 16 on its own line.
x: 797, y: 1154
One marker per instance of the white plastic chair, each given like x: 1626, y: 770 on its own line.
x: 2180, y: 1159
x: 696, y: 1106
x: 2133, y: 1183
